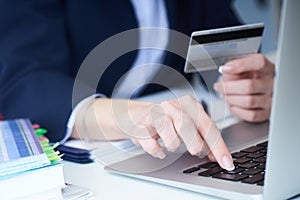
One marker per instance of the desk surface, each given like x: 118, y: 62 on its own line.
x: 107, y: 185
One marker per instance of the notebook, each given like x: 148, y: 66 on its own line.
x: 280, y: 176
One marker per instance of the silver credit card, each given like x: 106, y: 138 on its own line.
x: 210, y: 49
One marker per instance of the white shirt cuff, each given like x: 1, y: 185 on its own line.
x: 72, y: 118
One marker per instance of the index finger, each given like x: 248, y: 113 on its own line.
x: 208, y: 132
x: 215, y: 142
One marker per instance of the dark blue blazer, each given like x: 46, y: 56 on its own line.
x: 43, y: 43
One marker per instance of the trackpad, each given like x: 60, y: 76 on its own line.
x: 244, y: 134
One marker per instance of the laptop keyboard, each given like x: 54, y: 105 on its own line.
x: 249, y: 166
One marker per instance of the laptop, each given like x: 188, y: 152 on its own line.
x: 266, y: 154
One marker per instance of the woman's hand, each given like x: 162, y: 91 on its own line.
x: 182, y: 120
x: 175, y: 121
x: 247, y: 87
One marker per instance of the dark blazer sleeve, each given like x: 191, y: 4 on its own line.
x: 34, y: 67
x: 217, y: 14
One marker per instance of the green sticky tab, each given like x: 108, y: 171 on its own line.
x: 40, y: 131
x: 53, y: 156
x: 55, y: 145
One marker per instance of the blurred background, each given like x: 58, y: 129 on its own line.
x: 267, y: 11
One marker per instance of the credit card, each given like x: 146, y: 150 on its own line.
x: 210, y: 49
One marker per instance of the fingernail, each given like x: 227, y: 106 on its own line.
x: 224, y: 68
x: 195, y: 151
x: 160, y: 155
x: 220, y: 69
x: 228, y: 163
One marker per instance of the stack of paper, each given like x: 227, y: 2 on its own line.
x: 20, y: 147
x: 25, y: 170
x: 39, y: 184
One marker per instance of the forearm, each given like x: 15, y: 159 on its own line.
x: 107, y: 119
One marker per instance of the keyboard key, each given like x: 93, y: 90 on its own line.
x: 211, y: 171
x: 239, y: 154
x: 254, y: 179
x: 263, y: 151
x: 260, y: 160
x: 264, y: 144
x: 249, y: 165
x: 191, y: 170
x: 253, y: 149
x: 252, y: 171
x: 230, y: 177
x: 261, y: 183
x: 255, y: 155
x: 208, y: 165
x: 261, y: 166
x: 242, y: 160
x: 235, y: 171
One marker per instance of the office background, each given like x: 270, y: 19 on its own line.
x: 267, y: 11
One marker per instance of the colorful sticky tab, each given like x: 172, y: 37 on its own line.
x: 53, y: 156
x: 40, y: 132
